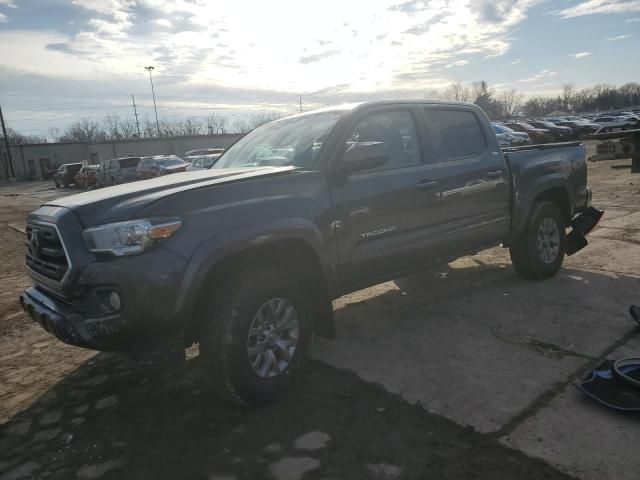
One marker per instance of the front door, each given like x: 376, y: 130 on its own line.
x: 382, y: 216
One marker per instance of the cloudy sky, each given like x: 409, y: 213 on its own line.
x: 63, y: 60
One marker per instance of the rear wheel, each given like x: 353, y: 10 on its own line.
x: 539, y: 252
x: 113, y: 181
x: 255, y: 336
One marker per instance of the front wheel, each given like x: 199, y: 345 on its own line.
x: 256, y: 335
x: 540, y: 250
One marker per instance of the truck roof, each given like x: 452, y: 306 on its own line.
x: 371, y: 103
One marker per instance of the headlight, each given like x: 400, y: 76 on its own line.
x: 128, y: 238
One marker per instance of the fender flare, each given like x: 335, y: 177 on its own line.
x: 524, y: 200
x: 217, y: 248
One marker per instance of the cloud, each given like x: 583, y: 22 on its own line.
x: 632, y: 20
x: 543, y: 74
x: 163, y: 22
x: 3, y: 18
x: 8, y: 3
x: 619, y: 37
x: 515, y: 62
x: 591, y: 7
x: 458, y: 63
x: 317, y: 57
x: 580, y: 54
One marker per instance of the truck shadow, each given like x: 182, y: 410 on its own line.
x: 108, y: 419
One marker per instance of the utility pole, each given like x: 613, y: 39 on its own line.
x: 135, y: 114
x: 300, y: 98
x: 6, y: 144
x: 153, y: 93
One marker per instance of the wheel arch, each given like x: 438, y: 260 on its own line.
x: 298, y: 251
x: 547, y: 189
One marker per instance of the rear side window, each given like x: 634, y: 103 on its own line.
x: 454, y: 134
x: 129, y: 162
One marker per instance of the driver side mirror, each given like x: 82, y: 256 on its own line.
x: 363, y: 156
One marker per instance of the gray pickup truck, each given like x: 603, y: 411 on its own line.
x: 244, y: 259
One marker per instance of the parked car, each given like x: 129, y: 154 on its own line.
x: 614, y: 123
x: 537, y: 135
x: 158, y: 165
x: 204, y: 151
x: 509, y: 136
x: 66, y: 174
x: 559, y: 133
x: 580, y: 129
x: 87, y: 177
x: 202, y: 162
x: 246, y: 258
x: 118, y: 170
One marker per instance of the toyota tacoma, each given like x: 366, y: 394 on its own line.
x: 244, y: 259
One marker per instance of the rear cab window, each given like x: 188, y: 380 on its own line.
x: 453, y: 134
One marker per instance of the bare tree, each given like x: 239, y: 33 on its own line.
x: 17, y: 138
x: 54, y: 133
x: 117, y: 128
x: 510, y: 101
x: 568, y: 92
x: 84, y: 130
x: 258, y: 119
x: 216, y: 124
x: 458, y: 92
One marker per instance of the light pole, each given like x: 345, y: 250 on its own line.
x: 150, y: 68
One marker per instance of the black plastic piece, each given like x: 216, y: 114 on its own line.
x: 575, y: 242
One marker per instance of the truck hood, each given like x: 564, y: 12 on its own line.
x: 120, y: 202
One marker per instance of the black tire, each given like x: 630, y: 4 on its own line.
x: 224, y: 337
x: 526, y: 258
x: 56, y: 184
x: 113, y: 181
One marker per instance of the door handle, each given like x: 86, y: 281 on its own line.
x: 425, y: 185
x: 495, y: 173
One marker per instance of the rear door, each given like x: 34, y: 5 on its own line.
x: 473, y: 180
x: 128, y: 168
x: 382, y: 216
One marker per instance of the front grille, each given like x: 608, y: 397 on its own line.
x: 45, y: 252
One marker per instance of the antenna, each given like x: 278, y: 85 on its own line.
x: 135, y: 113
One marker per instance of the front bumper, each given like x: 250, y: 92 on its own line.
x: 70, y: 325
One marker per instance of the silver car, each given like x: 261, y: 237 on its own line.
x: 203, y: 162
x: 118, y: 170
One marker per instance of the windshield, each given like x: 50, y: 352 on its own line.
x: 294, y: 141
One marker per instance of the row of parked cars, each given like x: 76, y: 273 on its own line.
x: 560, y: 129
x: 131, y: 168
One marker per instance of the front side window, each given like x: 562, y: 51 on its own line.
x: 398, y: 133
x: 454, y: 134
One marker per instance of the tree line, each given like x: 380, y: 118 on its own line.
x: 498, y: 104
x: 509, y: 103
x: 115, y: 127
